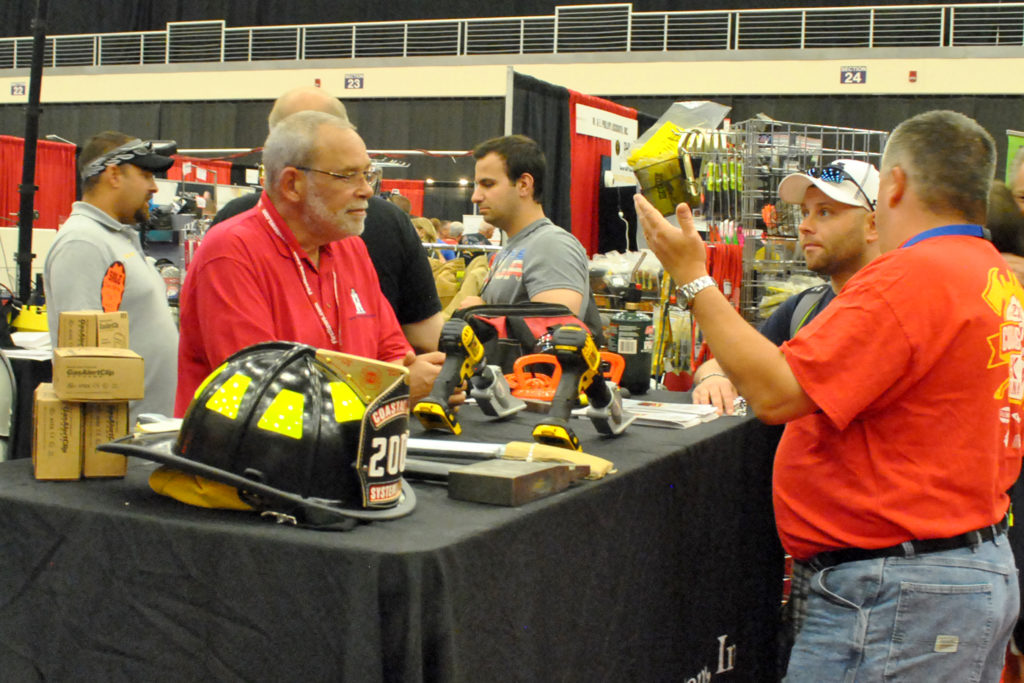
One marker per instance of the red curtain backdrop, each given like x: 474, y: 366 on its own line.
x: 586, y: 169
x: 55, y: 177
x: 200, y: 170
x: 413, y: 189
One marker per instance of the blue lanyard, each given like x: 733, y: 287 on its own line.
x: 969, y: 229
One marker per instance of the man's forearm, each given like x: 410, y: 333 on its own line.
x: 424, y: 334
x: 754, y: 364
x: 706, y: 369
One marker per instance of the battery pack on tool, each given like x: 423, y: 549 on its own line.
x: 558, y: 435
x: 436, y: 416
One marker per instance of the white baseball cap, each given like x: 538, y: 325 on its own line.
x: 845, y: 180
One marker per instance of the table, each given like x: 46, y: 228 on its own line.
x: 669, y: 570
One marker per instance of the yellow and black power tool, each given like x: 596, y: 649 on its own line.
x: 465, y: 361
x: 580, y: 360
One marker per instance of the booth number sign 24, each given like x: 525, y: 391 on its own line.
x: 850, y: 75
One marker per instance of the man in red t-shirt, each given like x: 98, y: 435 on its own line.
x: 903, y: 399
x: 293, y: 268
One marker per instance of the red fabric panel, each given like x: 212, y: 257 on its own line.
x: 498, y: 322
x: 55, y: 177
x: 216, y: 172
x: 540, y: 326
x: 413, y: 189
x: 586, y: 169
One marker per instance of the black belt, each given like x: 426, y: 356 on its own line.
x: 910, y: 548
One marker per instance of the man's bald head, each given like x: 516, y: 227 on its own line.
x: 306, y: 98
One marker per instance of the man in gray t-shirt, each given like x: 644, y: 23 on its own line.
x: 541, y: 261
x: 117, y: 183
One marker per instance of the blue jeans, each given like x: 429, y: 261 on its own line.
x: 943, y: 616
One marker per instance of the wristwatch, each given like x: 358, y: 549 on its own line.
x: 685, y: 293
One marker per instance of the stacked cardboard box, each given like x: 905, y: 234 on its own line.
x: 93, y: 328
x: 94, y: 377
x: 56, y: 436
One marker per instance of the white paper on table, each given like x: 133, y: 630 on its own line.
x: 661, y: 414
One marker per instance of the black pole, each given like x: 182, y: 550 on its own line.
x: 27, y: 189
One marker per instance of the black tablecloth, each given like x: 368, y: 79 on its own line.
x: 662, y: 571
x: 28, y: 374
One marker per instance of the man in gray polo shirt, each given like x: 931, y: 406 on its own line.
x: 541, y: 262
x: 117, y: 183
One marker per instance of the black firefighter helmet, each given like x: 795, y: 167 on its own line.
x: 306, y: 435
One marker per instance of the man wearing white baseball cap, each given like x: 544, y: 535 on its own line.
x: 847, y: 181
x: 838, y: 238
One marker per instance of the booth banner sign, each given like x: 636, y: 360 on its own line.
x: 604, y: 124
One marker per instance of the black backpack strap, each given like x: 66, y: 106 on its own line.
x: 806, y: 308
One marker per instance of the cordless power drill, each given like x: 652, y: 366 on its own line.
x: 464, y: 360
x: 464, y: 356
x: 580, y: 361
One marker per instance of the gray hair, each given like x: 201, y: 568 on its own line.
x: 293, y: 142
x: 949, y: 160
x: 456, y: 228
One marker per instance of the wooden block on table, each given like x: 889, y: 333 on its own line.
x: 511, y: 482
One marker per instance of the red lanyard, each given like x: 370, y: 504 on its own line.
x: 310, y: 294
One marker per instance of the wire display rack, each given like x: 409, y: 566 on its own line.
x: 771, y: 150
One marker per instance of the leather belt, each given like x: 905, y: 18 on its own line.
x: 910, y: 548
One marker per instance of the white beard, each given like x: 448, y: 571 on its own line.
x: 315, y: 214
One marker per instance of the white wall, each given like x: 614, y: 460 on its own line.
x: 946, y: 71
x: 42, y: 240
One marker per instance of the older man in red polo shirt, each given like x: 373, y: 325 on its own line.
x: 289, y: 269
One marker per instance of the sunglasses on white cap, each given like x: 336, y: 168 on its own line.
x: 836, y: 174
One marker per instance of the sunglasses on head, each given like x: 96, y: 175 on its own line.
x: 837, y: 174
x: 119, y: 155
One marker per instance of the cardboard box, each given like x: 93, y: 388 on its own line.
x: 88, y: 373
x: 93, y: 328
x: 56, y: 435
x: 103, y: 422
